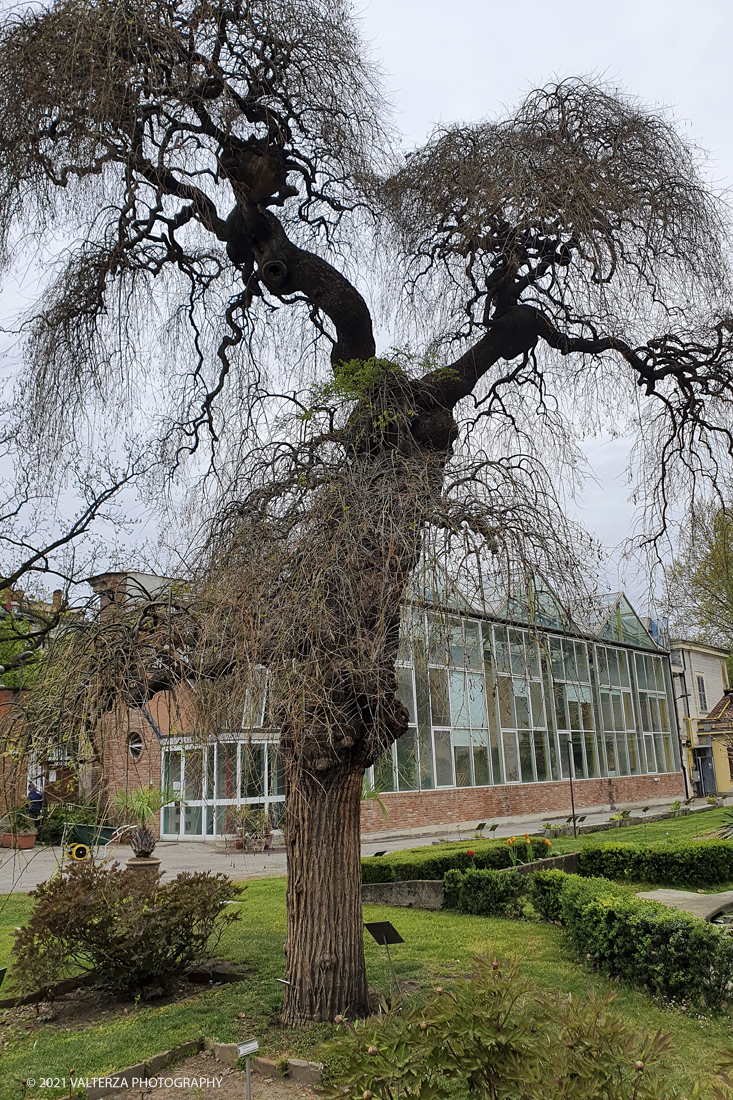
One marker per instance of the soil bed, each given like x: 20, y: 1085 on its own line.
x: 84, y: 1007
x: 230, y: 1083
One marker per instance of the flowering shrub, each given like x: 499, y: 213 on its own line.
x: 497, y: 1036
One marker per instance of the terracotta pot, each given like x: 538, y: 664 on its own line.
x: 19, y: 840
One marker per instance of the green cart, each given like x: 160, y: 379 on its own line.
x: 81, y: 841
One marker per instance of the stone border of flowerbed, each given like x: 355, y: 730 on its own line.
x: 429, y: 893
x: 306, y: 1073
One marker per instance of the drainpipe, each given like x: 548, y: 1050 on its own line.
x: 688, y: 716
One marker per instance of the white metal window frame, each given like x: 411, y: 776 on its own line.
x: 209, y: 803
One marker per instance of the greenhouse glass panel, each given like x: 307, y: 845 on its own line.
x: 405, y: 692
x: 226, y: 771
x: 581, y: 662
x: 540, y: 756
x: 477, y: 700
x: 425, y: 740
x: 521, y: 703
x: 439, y: 709
x: 472, y: 642
x: 407, y: 760
x: 506, y: 702
x: 458, y: 700
x: 516, y: 652
x: 535, y: 696
x: 525, y: 756
x: 443, y: 758
x: 511, y: 757
x: 384, y: 776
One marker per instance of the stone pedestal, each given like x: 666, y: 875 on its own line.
x: 143, y: 864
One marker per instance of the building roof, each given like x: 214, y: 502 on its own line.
x: 699, y: 647
x: 720, y: 718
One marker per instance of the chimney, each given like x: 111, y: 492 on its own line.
x: 58, y: 599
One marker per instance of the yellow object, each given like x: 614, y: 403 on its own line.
x: 78, y: 851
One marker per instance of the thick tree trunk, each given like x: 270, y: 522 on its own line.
x: 325, y: 945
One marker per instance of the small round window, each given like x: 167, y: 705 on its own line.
x: 135, y: 745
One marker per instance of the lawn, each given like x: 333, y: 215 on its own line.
x: 690, y: 827
x: 438, y: 946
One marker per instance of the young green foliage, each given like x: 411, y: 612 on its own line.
x: 495, y: 1036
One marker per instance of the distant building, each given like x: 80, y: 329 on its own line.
x: 700, y: 678
x: 505, y: 709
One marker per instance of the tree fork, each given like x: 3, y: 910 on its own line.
x: 326, y: 970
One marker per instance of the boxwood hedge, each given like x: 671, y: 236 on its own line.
x: 687, y: 864
x: 671, y: 954
x: 432, y: 863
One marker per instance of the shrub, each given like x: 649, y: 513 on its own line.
x: 484, y: 893
x: 692, y: 863
x: 432, y: 863
x: 496, y: 1035
x: 544, y: 889
x: 133, y: 932
x: 673, y: 955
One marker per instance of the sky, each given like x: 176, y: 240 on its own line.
x: 465, y: 59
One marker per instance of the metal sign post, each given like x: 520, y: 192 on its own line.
x: 385, y: 934
x: 245, y: 1050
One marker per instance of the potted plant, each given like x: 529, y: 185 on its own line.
x: 253, y: 831
x: 20, y: 831
x: 142, y: 805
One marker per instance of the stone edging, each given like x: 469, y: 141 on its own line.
x: 307, y: 1073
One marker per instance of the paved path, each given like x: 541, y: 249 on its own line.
x: 20, y: 871
x: 705, y: 906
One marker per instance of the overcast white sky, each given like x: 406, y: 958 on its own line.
x: 460, y: 60
x: 451, y: 60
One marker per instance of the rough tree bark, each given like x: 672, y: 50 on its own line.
x: 325, y: 944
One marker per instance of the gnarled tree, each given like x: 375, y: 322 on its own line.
x: 226, y: 166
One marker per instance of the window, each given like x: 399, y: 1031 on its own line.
x: 135, y: 746
x: 701, y: 693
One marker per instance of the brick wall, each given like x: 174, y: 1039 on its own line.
x: 13, y: 769
x: 171, y: 712
x: 423, y: 808
x: 121, y: 772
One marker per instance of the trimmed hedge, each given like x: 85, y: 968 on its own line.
x: 483, y: 893
x: 686, y: 864
x: 544, y: 890
x: 432, y: 863
x: 671, y: 954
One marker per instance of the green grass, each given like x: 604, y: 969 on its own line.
x: 438, y: 946
x: 689, y: 827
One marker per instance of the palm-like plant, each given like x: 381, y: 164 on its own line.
x: 142, y: 804
x: 372, y: 792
